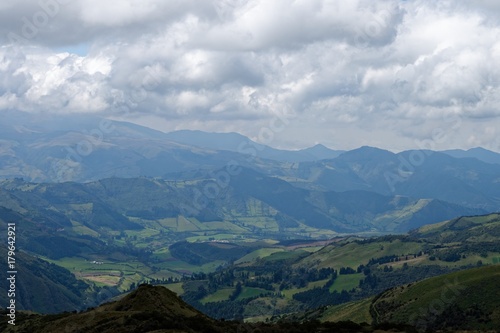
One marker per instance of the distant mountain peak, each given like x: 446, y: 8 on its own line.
x: 317, y: 146
x: 480, y: 149
x: 319, y: 152
x: 368, y: 152
x: 238, y: 143
x: 478, y: 153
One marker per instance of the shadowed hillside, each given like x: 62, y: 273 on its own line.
x: 155, y: 309
x: 45, y: 287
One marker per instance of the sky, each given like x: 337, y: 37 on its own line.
x: 291, y: 74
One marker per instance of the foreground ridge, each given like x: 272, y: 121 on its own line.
x: 157, y: 309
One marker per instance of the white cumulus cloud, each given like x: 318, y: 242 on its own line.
x: 347, y: 73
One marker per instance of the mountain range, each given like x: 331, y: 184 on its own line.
x: 249, y: 203
x: 82, y: 149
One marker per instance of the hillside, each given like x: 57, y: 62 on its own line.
x: 147, y: 309
x: 463, y: 240
x: 153, y: 309
x: 296, y: 277
x: 46, y: 288
x: 465, y: 300
x: 471, y: 229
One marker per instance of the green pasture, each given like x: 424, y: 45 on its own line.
x: 354, y: 254
x: 248, y: 292
x: 346, y: 282
x: 219, y: 295
x: 357, y: 311
x: 288, y: 293
x: 260, y: 253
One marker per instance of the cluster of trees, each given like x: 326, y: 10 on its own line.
x: 317, y: 297
x: 155, y: 282
x: 202, y: 253
x: 393, y: 258
x: 453, y: 317
x: 237, y: 292
x: 461, y: 252
x: 272, y: 278
x: 347, y: 270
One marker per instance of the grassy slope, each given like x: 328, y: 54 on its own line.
x: 354, y: 254
x: 288, y: 293
x: 485, y: 228
x: 422, y: 304
x: 476, y: 229
x: 419, y: 303
x: 346, y: 282
x: 260, y: 253
x: 220, y: 295
x: 357, y: 311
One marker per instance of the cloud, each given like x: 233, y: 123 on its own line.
x: 260, y: 25
x: 58, y: 83
x: 350, y: 73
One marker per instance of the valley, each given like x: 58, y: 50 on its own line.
x: 115, y: 232
x: 292, y: 237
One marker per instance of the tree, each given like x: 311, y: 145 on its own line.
x: 237, y: 292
